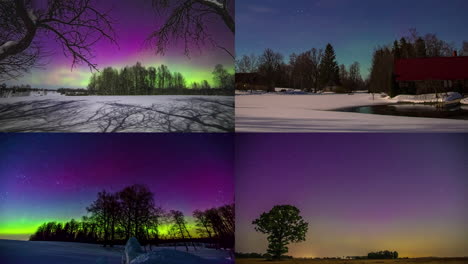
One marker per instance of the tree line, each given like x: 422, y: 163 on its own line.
x: 386, y: 254
x: 115, y: 217
x: 382, y: 79
x: 310, y: 71
x: 141, y: 80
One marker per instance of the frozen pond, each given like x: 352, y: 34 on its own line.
x: 412, y: 110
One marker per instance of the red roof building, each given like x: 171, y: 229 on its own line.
x: 425, y: 75
x: 439, y: 68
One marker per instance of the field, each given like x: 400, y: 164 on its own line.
x: 55, y: 113
x: 278, y: 112
x: 367, y: 261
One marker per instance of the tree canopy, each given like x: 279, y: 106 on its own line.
x: 283, y: 224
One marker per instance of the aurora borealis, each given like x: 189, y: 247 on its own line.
x: 354, y: 27
x: 133, y: 23
x: 54, y: 177
x: 359, y: 192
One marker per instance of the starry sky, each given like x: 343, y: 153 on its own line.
x: 133, y: 22
x: 358, y: 192
x: 353, y: 27
x: 53, y: 177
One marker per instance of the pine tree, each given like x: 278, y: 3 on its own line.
x: 396, y: 50
x: 420, y: 47
x: 329, y: 70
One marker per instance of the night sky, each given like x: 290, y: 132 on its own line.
x: 353, y: 27
x: 133, y: 22
x: 45, y: 177
x: 359, y: 192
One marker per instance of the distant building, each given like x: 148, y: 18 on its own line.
x: 250, y: 81
x: 429, y: 75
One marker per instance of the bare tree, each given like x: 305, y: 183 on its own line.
x: 137, y: 206
x: 76, y: 25
x: 464, y: 49
x: 179, y: 227
x: 189, y: 21
x: 247, y: 64
x: 270, y: 63
x: 202, y: 223
x: 105, y: 211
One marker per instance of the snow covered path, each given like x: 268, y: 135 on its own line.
x: 312, y: 113
x: 117, y: 114
x: 45, y: 252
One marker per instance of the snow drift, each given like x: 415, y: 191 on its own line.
x: 135, y: 255
x: 427, y: 98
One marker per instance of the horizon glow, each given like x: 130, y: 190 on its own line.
x: 358, y: 192
x: 133, y: 23
x: 53, y: 177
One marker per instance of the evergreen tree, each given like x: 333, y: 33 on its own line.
x: 329, y: 70
x: 396, y: 50
x: 420, y: 48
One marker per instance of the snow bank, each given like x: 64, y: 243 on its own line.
x: 427, y: 98
x: 135, y: 255
x: 132, y: 250
x: 168, y: 256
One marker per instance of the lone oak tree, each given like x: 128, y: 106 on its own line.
x: 283, y: 225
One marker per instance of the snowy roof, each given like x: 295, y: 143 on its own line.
x: 438, y: 68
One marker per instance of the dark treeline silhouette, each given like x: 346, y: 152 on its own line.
x: 311, y: 71
x: 139, y: 80
x: 382, y: 79
x: 115, y: 217
x: 383, y: 255
x: 258, y: 255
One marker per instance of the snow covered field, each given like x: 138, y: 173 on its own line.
x: 56, y: 113
x: 42, y: 252
x: 314, y: 113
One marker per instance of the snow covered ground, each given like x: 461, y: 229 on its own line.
x: 56, y: 113
x: 42, y: 252
x: 314, y: 113
x: 48, y: 252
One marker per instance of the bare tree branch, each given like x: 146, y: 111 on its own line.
x: 189, y: 21
x: 76, y: 24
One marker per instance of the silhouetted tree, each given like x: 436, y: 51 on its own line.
x: 270, y: 64
x: 283, y: 225
x: 136, y: 203
x: 189, y: 21
x: 222, y: 78
x: 464, y: 49
x: 204, y: 227
x: 105, y: 212
x: 75, y: 25
x: 247, y: 64
x: 329, y: 71
x: 420, y: 47
x: 179, y: 226
x: 383, y: 255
